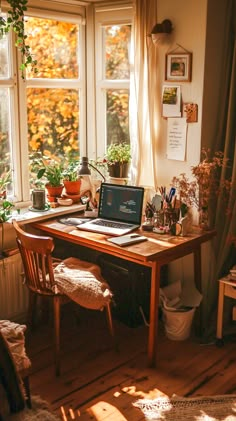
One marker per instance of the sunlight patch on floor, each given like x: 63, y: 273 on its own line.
x: 151, y: 394
x: 72, y: 414
x: 103, y: 409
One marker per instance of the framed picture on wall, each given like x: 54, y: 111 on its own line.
x: 178, y: 67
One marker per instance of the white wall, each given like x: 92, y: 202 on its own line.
x: 189, y: 31
x: 199, y: 26
x: 189, y: 22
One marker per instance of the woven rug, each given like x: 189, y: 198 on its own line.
x: 209, y: 408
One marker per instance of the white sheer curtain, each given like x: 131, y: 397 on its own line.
x: 144, y: 96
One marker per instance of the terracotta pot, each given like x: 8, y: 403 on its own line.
x: 119, y: 170
x: 72, y: 187
x: 3, y: 194
x: 54, y: 191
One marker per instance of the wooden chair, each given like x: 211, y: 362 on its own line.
x: 36, y: 252
x: 227, y: 288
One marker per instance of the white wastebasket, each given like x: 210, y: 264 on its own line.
x: 178, y: 323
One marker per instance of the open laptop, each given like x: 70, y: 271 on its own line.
x: 119, y: 212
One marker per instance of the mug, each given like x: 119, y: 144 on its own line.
x: 38, y: 198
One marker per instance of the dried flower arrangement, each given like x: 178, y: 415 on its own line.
x: 206, y: 183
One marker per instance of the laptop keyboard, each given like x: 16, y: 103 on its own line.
x: 111, y: 224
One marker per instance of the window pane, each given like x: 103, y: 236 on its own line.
x: 54, y: 44
x: 53, y: 122
x: 5, y: 149
x: 116, y: 42
x: 117, y: 116
x: 4, y: 57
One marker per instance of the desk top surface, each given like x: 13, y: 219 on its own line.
x: 161, y: 247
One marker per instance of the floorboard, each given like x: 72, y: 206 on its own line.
x: 99, y: 382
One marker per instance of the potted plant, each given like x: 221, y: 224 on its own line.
x: 118, y: 158
x: 52, y: 172
x: 5, y: 214
x: 71, y: 178
x: 5, y: 179
x: 14, y: 21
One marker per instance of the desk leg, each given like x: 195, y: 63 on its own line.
x: 198, y: 284
x: 154, y: 303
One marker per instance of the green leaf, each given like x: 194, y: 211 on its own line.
x: 41, y: 172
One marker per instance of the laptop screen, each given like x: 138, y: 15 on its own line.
x: 121, y: 203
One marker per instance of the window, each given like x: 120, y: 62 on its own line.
x: 53, y: 94
x: 113, y: 35
x: 7, y: 110
x: 77, y: 103
x: 44, y: 113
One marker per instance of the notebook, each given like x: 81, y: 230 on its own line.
x: 119, y: 211
x: 127, y: 240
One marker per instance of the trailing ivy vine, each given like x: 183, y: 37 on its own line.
x: 14, y: 21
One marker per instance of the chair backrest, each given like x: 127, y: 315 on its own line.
x: 36, y: 256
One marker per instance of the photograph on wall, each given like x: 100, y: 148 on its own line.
x: 171, y: 101
x: 178, y: 67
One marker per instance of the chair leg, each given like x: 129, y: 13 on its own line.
x: 220, y: 311
x: 109, y: 320
x: 56, y: 309
x: 111, y: 328
x: 31, y: 310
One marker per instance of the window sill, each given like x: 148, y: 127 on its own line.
x: 28, y: 216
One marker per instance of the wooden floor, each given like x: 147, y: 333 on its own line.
x: 98, y: 382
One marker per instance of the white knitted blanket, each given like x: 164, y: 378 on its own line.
x: 83, y: 283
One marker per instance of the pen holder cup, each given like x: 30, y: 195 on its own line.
x: 166, y: 217
x: 171, y: 216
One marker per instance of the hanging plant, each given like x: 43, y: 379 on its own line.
x: 14, y: 21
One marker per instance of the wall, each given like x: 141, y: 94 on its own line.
x: 189, y: 22
x: 198, y: 27
x: 189, y: 31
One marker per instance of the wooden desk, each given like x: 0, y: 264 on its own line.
x: 158, y: 251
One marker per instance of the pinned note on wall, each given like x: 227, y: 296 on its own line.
x: 176, y: 138
x: 190, y: 112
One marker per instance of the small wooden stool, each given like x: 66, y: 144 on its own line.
x: 227, y: 288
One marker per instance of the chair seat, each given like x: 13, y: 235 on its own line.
x: 83, y: 283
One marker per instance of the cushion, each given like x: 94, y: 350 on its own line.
x: 14, y: 334
x: 83, y: 283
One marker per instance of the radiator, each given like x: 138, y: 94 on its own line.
x: 13, y: 294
